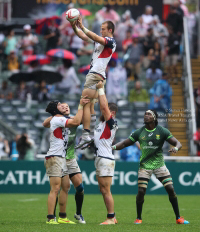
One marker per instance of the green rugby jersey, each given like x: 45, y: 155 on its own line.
x: 151, y: 143
x: 70, y: 142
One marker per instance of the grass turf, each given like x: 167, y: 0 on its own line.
x: 27, y: 213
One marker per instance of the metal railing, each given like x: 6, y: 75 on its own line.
x: 187, y: 77
x: 7, y: 131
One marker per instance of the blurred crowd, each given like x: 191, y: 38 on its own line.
x: 148, y: 51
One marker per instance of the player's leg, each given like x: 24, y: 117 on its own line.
x: 165, y: 178
x: 105, y: 172
x: 55, y: 183
x: 143, y: 179
x: 63, y: 199
x: 76, y: 179
x: 53, y: 167
x: 91, y: 92
x: 92, y: 124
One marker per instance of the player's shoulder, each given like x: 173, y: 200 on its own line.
x: 110, y: 39
x: 162, y: 129
x: 57, y: 119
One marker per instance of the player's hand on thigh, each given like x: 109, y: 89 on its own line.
x: 100, y: 85
x: 84, y: 100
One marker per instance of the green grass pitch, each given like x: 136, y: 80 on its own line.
x: 27, y: 213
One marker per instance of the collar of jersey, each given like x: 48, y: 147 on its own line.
x: 150, y: 130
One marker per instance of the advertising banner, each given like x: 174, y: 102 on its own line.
x: 30, y: 177
x: 43, y: 8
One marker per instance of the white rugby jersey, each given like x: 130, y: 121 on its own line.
x: 58, y: 137
x: 101, y: 56
x: 104, y: 135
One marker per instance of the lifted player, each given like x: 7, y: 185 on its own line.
x: 105, y: 46
x: 151, y: 138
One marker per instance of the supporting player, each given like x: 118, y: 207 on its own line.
x: 151, y: 138
x: 73, y: 171
x: 105, y: 46
x: 104, y: 135
x: 55, y: 164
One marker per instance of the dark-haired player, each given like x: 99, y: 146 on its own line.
x: 151, y: 138
x: 104, y: 47
x: 56, y: 166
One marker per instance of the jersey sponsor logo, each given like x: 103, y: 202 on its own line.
x: 152, y: 147
x: 150, y: 143
x: 150, y: 134
x: 157, y: 137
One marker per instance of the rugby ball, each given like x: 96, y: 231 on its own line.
x: 72, y: 14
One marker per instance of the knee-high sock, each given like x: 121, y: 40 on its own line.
x: 174, y: 202
x: 92, y: 124
x: 79, y: 202
x: 139, y: 205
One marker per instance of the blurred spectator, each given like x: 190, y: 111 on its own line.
x: 13, y: 148
x: 70, y: 82
x: 25, y: 147
x: 96, y: 26
x: 196, y: 139
x: 76, y: 43
x: 149, y: 41
x: 138, y: 94
x: 2, y: 38
x: 107, y: 13
x: 4, y: 146
x: 175, y: 21
x: 179, y: 10
x: 5, y: 91
x: 125, y: 25
x: 184, y: 7
x: 10, y: 43
x: 128, y: 20
x: 85, y: 53
x: 131, y: 153
x: 33, y: 65
x: 147, y: 16
x: 41, y: 93
x: 28, y: 41
x: 162, y: 92
x: 149, y: 59
x: 140, y: 28
x: 52, y: 35
x: 158, y: 55
x: 197, y: 102
x: 172, y: 55
x: 45, y: 142
x: 13, y: 63
x: 135, y: 52
x: 116, y: 86
x: 127, y: 41
x: 153, y: 74
x: 160, y: 31
x: 22, y: 91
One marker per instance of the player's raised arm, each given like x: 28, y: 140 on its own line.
x: 76, y: 121
x: 46, y: 122
x: 103, y: 101
x: 174, y: 142
x: 91, y: 34
x: 80, y: 33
